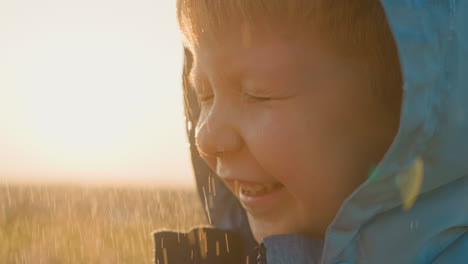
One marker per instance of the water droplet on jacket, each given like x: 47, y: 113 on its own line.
x: 414, y: 225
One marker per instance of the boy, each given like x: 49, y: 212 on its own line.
x: 299, y: 101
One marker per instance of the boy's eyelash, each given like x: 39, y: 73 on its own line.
x: 255, y: 99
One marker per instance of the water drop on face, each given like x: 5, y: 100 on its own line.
x: 189, y: 125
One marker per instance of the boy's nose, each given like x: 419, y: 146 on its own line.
x: 217, y: 134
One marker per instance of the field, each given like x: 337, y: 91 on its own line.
x: 60, y: 224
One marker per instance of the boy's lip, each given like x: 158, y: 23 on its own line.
x: 257, y: 204
x: 234, y: 184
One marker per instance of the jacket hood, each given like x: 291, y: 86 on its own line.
x: 428, y: 158
x: 429, y: 154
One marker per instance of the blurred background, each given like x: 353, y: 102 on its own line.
x: 90, y: 92
x: 93, y: 151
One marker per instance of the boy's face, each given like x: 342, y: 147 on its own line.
x: 289, y: 125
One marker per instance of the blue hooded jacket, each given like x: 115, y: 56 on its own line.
x: 414, y: 207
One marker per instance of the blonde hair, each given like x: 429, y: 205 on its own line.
x: 354, y: 28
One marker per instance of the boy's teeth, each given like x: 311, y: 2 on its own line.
x: 253, y: 189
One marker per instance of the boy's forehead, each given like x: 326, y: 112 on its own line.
x: 267, y: 53
x: 261, y: 57
x: 210, y: 18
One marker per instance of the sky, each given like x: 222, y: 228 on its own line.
x: 90, y: 92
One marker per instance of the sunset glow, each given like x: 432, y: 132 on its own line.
x: 90, y: 92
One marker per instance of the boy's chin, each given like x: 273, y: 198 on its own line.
x: 262, y: 228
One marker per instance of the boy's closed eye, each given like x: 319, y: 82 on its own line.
x: 249, y: 94
x: 208, y: 97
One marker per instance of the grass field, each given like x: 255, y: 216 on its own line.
x: 52, y: 224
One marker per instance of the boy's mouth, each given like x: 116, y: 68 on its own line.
x: 254, y: 189
x: 258, y: 198
x: 251, y: 188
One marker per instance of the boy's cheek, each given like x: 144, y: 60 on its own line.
x: 281, y: 150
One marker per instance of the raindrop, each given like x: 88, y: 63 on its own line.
x: 414, y: 225
x: 217, y: 248
x: 8, y: 195
x: 227, y: 242
x: 213, y: 187
x: 165, y: 255
x: 207, y: 206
